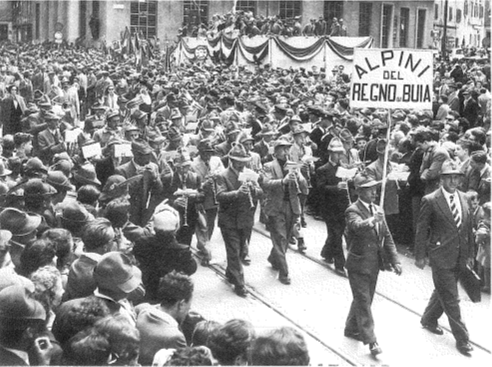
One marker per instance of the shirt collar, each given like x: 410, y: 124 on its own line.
x: 366, y: 205
x: 448, y: 195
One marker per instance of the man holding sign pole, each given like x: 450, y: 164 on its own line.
x: 370, y: 249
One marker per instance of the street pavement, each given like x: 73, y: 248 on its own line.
x: 318, y: 300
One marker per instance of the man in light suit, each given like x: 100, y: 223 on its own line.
x: 370, y: 249
x: 237, y: 205
x: 207, y: 167
x: 445, y: 236
x: 282, y: 205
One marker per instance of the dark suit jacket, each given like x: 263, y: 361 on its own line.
x: 437, y: 235
x: 471, y: 110
x: 235, y: 210
x: 10, y: 115
x: 370, y: 249
x: 139, y: 214
x: 322, y: 140
x: 415, y: 183
x: 334, y: 200
x: 49, y: 145
x: 430, y: 171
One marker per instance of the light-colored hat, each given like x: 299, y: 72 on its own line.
x: 166, y: 220
x: 239, y: 153
x: 449, y: 167
x: 336, y: 146
x: 362, y: 181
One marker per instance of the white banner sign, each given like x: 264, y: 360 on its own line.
x: 397, y: 78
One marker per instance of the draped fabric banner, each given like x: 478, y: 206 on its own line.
x: 277, y: 51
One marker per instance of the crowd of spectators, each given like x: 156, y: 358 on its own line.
x: 244, y: 23
x: 101, y: 191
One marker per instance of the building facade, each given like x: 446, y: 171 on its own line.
x: 465, y: 25
x: 405, y: 24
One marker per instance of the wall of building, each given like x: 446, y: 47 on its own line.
x: 5, y: 20
x: 115, y: 16
x: 469, y: 30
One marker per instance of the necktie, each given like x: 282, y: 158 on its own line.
x: 454, y: 210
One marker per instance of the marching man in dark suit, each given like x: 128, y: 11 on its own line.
x: 237, y: 206
x: 370, y: 249
x: 335, y: 201
x: 444, y: 235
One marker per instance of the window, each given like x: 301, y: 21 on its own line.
x: 38, y: 20
x: 421, y: 14
x: 82, y: 18
x: 458, y: 15
x: 195, y: 12
x: 4, y: 32
x: 481, y: 13
x: 436, y: 11
x: 95, y: 8
x: 450, y: 18
x: 404, y: 21
x: 365, y: 11
x: 143, y: 17
x: 386, y: 25
x: 289, y: 9
x: 246, y: 5
x: 333, y: 9
x: 465, y: 8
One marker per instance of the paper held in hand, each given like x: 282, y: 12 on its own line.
x: 123, y: 150
x: 398, y: 175
x: 92, y: 150
x: 309, y: 159
x: 71, y: 135
x: 248, y: 176
x: 346, y: 173
x: 293, y: 167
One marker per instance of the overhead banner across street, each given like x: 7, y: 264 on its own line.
x: 392, y: 78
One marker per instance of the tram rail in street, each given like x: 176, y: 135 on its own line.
x: 327, y: 266
x: 220, y: 271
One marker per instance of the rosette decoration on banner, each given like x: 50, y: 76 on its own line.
x: 277, y: 51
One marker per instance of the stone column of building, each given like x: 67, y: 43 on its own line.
x: 72, y: 20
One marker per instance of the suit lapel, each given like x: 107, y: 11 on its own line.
x: 465, y: 210
x: 277, y: 169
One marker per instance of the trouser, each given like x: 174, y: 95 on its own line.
x: 445, y: 299
x: 333, y: 248
x: 415, y: 211
x: 204, y: 234
x: 360, y: 320
x: 184, y: 235
x: 235, y: 240
x: 281, y: 227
